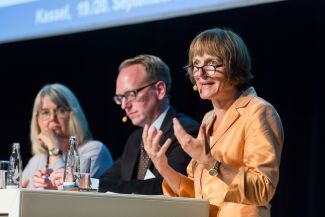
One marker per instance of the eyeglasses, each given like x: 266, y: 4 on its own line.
x: 207, y: 70
x: 131, y: 95
x: 60, y: 113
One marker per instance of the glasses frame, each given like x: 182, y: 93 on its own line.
x: 60, y: 113
x: 205, y: 72
x: 118, y: 98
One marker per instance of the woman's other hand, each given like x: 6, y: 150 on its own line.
x: 198, y: 148
x: 41, y: 179
x: 57, y: 178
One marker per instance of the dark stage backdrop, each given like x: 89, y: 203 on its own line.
x: 284, y: 41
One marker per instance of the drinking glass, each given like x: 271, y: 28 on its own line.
x: 3, y: 173
x: 85, y: 182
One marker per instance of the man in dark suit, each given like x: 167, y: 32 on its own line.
x: 142, y: 89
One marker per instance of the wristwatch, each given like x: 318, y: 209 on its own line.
x: 214, y: 171
x: 55, y: 152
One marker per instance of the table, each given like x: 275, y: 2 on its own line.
x: 49, y: 203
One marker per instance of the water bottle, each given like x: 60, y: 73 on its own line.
x: 14, y: 175
x: 71, y: 175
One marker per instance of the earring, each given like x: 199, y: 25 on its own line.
x: 194, y: 87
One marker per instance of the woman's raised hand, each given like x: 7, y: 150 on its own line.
x: 198, y: 148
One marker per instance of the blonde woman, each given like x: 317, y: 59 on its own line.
x: 57, y: 115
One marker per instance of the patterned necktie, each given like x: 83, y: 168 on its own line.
x: 143, y: 163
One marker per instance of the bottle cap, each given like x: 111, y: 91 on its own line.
x: 15, y: 145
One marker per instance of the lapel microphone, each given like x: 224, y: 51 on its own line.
x: 125, y: 119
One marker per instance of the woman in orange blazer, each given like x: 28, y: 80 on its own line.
x: 236, y: 156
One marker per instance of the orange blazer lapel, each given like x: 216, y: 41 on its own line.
x: 233, y: 114
x: 229, y: 119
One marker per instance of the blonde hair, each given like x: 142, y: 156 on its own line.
x: 230, y: 48
x: 61, y: 96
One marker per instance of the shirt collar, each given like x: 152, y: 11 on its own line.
x: 158, y: 122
